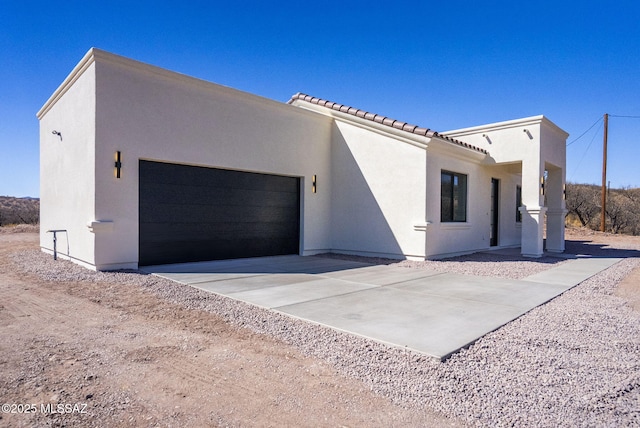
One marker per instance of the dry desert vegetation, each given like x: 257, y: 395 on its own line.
x: 19, y: 211
x: 83, y: 349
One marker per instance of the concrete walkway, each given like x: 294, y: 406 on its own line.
x: 431, y: 312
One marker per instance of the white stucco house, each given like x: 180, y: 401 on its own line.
x: 140, y: 166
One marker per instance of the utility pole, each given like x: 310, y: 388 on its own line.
x: 604, y: 174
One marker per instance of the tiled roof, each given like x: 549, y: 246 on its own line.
x: 403, y: 126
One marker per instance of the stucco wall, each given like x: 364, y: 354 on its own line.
x: 67, y: 169
x: 378, y: 187
x: 149, y: 113
x: 445, y: 238
x: 110, y: 103
x: 379, y: 192
x: 531, y: 142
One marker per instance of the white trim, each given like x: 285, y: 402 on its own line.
x: 397, y: 134
x: 393, y: 256
x: 117, y: 266
x: 64, y: 256
x: 98, y: 55
x: 441, y: 256
x: 527, y: 121
x: 456, y: 151
x: 534, y: 210
x: 439, y: 144
x: 75, y: 74
x: 100, y: 226
x: 421, y: 227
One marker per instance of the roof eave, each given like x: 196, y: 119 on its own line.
x: 79, y: 69
x: 375, y: 121
x: 469, y: 153
x: 515, y: 123
x: 377, y: 127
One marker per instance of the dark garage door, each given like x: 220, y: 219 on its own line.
x: 190, y: 213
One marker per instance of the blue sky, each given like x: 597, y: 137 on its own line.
x: 442, y: 65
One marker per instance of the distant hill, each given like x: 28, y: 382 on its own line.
x: 19, y: 210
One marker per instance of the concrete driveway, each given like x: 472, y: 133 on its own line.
x: 427, y: 311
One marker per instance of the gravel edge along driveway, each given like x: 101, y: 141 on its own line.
x: 571, y: 362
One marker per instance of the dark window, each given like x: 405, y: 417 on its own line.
x: 518, y: 204
x: 453, y: 197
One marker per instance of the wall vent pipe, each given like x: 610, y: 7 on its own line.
x: 55, y: 241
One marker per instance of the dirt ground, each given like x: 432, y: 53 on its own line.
x: 628, y: 288
x: 98, y: 354
x: 91, y: 354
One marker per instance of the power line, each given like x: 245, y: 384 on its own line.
x: 628, y: 117
x: 582, y: 135
x: 587, y: 149
x: 596, y: 122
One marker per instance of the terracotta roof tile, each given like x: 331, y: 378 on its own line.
x: 403, y: 126
x: 408, y: 128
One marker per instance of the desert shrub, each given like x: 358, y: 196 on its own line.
x: 19, y: 210
x: 583, y: 203
x: 622, y: 214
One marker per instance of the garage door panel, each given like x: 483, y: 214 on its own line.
x: 190, y: 251
x: 217, y: 178
x: 192, y: 229
x: 176, y: 213
x: 194, y: 213
x: 160, y: 232
x: 202, y: 195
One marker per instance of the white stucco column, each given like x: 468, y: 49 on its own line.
x: 555, y: 230
x: 533, y: 211
x: 532, y: 231
x: 554, y: 189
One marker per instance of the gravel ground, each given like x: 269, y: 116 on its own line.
x: 479, y: 264
x: 571, y: 362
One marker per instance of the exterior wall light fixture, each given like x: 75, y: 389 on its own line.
x: 58, y: 133
x: 314, y: 187
x: 118, y: 164
x: 542, y: 186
